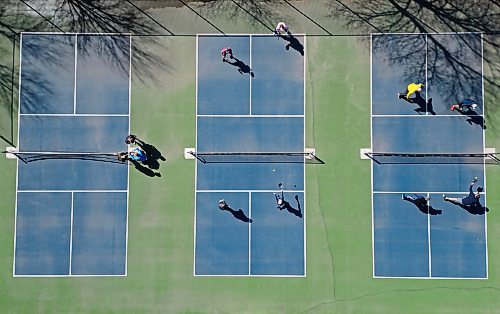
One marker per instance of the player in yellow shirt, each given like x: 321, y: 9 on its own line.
x: 412, y: 88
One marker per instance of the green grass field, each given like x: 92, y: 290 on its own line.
x: 161, y: 210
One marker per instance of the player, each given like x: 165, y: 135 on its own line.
x: 471, y: 200
x: 281, y: 28
x: 137, y: 154
x: 410, y: 89
x: 227, y: 51
x: 223, y: 205
x: 465, y: 105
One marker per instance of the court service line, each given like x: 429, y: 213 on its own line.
x: 249, y: 234
x: 484, y: 165
x: 266, y: 276
x: 196, y: 163
x: 18, y: 147
x: 76, y: 62
x: 71, y: 233
x: 371, y: 145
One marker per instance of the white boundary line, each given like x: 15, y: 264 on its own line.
x: 250, y: 76
x: 426, y: 89
x: 71, y: 232
x: 249, y: 234
x: 18, y: 143
x: 443, y: 33
x: 250, y: 116
x: 371, y: 148
x: 76, y: 191
x: 74, y: 87
x: 429, y: 238
x: 423, y: 192
x: 484, y: 164
x: 421, y: 116
x: 249, y: 191
x: 431, y: 278
x: 128, y: 146
x: 266, y: 276
x: 75, y: 114
x: 73, y: 33
x: 196, y: 160
x: 304, y: 205
x: 242, y: 35
x: 64, y: 276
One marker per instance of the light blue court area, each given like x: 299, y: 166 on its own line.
x: 265, y: 77
x: 434, y: 238
x: 252, y: 237
x: 71, y: 214
x: 251, y: 104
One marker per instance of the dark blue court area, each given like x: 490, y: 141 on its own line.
x: 414, y: 237
x: 253, y: 103
x: 71, y: 214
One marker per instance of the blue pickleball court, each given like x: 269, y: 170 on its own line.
x: 71, y: 214
x: 441, y: 239
x: 252, y: 103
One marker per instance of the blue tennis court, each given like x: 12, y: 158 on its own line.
x: 71, y: 214
x: 252, y: 103
x: 441, y: 240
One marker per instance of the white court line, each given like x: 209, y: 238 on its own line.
x: 71, y: 233
x: 250, y: 76
x: 421, y: 116
x: 429, y: 238
x: 434, y: 33
x: 76, y: 62
x: 76, y: 191
x: 76, y: 33
x: 247, y: 191
x: 423, y: 192
x: 250, y: 116
x: 196, y: 160
x: 484, y: 165
x: 128, y: 147
x: 63, y: 276
x: 431, y: 278
x: 267, y: 276
x: 75, y: 114
x: 249, y: 234
x: 371, y: 147
x: 426, y: 90
x: 18, y: 147
x: 304, y: 224
x: 242, y: 35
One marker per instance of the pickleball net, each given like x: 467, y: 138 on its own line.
x: 434, y: 158
x: 28, y: 157
x: 257, y: 157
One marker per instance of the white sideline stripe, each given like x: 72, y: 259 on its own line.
x: 433, y: 33
x: 429, y: 239
x: 71, y: 232
x: 248, y: 191
x: 250, y: 76
x: 490, y: 150
x: 128, y: 148
x: 195, y: 164
x: 242, y: 35
x: 423, y: 192
x: 73, y: 33
x: 371, y: 160
x: 76, y: 114
x: 70, y: 191
x: 249, y: 234
x: 304, y: 205
x: 74, y: 83
x: 61, y: 276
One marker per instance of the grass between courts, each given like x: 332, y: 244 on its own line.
x: 161, y: 212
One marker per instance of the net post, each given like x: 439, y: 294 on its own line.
x: 10, y: 152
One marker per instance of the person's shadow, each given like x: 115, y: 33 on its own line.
x: 242, y: 66
x: 149, y: 172
x: 423, y: 206
x: 296, y: 211
x: 154, y: 155
x: 474, y: 209
x: 423, y: 106
x: 473, y: 117
x: 238, y: 214
x: 293, y: 42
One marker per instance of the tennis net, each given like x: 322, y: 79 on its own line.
x: 434, y: 158
x: 257, y: 157
x: 28, y: 157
